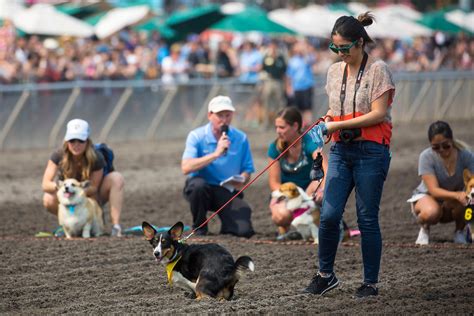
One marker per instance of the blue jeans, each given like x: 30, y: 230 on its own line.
x: 363, y: 165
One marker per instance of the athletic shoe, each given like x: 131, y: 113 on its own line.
x: 366, y: 290
x: 460, y: 237
x: 59, y: 232
x: 423, y: 237
x: 320, y: 285
x: 291, y: 235
x: 116, y: 231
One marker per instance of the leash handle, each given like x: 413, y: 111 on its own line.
x: 322, y: 119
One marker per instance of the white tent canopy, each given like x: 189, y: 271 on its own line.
x: 462, y: 19
x: 8, y: 8
x: 119, y: 18
x: 44, y: 19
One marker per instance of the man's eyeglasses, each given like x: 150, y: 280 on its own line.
x: 343, y: 49
x: 445, y: 145
x: 72, y: 141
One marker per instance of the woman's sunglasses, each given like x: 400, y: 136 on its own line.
x: 343, y: 49
x: 445, y: 145
x: 72, y: 141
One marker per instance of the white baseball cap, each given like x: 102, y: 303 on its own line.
x: 77, y: 129
x: 220, y: 103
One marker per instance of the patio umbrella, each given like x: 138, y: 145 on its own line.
x: 44, y: 19
x: 437, y: 21
x: 9, y: 8
x: 462, y: 19
x: 251, y: 19
x: 119, y: 18
x: 155, y: 24
x: 194, y: 20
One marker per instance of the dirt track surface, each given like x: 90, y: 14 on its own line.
x: 110, y: 275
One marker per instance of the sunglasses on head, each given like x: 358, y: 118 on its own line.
x: 445, y: 145
x: 72, y: 141
x: 343, y: 49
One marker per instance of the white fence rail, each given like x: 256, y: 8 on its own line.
x: 33, y: 116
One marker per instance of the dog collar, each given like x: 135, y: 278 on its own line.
x: 71, y: 208
x: 169, y: 270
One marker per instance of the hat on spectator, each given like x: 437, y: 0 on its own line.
x: 77, y: 129
x: 220, y: 103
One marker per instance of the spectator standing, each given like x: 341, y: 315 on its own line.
x: 273, y: 82
x: 300, y: 80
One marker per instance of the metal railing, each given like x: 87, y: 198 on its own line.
x: 35, y: 115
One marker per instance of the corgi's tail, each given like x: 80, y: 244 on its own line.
x: 243, y: 264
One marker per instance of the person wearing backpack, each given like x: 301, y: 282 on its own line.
x: 79, y: 158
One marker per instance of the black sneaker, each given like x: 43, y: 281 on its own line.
x: 320, y: 285
x: 366, y: 290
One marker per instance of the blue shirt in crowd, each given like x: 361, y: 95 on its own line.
x: 299, y: 72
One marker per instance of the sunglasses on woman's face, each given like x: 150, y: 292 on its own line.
x: 343, y: 49
x: 73, y: 141
x: 445, y: 145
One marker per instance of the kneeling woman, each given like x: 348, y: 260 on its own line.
x: 79, y: 159
x: 440, y: 197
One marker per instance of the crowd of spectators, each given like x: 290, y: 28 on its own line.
x: 135, y: 55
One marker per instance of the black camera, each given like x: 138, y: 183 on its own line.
x: 348, y: 135
x: 317, y: 172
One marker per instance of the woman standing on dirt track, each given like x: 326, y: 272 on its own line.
x: 79, y: 159
x: 440, y: 196
x: 360, y: 90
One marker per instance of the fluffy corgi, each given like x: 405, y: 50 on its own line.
x: 207, y: 269
x: 469, y: 212
x: 304, y: 210
x: 78, y: 214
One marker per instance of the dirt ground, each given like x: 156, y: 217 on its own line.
x: 111, y: 275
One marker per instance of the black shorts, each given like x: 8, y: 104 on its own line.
x: 304, y: 99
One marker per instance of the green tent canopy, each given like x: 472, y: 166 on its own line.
x: 248, y: 20
x: 78, y: 10
x: 94, y: 19
x: 436, y: 20
x: 194, y: 21
x: 155, y: 24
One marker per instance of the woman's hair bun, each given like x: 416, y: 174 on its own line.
x: 366, y: 18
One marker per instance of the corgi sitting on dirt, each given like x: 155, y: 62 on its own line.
x: 304, y: 210
x: 78, y: 214
x: 207, y: 269
x: 468, y: 215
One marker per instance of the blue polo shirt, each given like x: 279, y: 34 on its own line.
x: 201, y: 142
x: 300, y: 72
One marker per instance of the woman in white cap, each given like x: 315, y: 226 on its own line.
x: 79, y: 159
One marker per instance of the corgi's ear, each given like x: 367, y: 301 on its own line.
x: 85, y: 184
x: 467, y: 175
x: 148, y: 231
x: 177, y: 230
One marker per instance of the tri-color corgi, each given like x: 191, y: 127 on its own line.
x: 78, y: 214
x: 208, y: 270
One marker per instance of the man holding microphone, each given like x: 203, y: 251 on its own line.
x: 218, y: 162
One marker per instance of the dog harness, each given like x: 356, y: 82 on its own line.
x: 169, y: 270
x: 299, y: 211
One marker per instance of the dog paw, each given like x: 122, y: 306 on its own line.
x: 190, y: 295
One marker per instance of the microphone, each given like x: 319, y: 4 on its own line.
x: 224, y: 131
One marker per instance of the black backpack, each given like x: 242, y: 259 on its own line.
x: 108, y: 156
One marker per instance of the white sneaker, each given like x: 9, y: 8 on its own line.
x: 116, y: 231
x: 423, y: 237
x: 460, y: 237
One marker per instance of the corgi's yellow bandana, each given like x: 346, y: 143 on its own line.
x: 169, y: 270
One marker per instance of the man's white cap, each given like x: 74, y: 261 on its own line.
x: 77, y: 129
x: 220, y: 103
